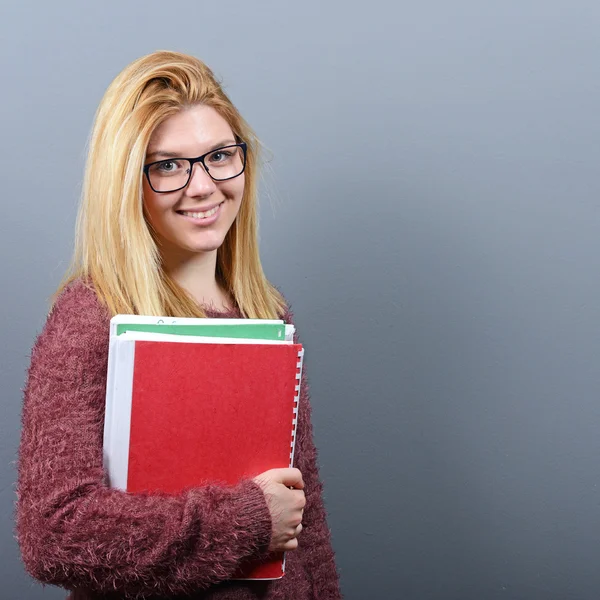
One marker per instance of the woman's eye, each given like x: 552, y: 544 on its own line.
x: 167, y: 166
x: 220, y: 156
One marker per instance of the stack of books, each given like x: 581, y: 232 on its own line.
x: 197, y: 401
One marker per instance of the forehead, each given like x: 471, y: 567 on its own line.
x: 192, y: 130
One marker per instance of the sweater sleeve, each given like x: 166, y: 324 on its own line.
x: 76, y: 532
x: 315, y: 540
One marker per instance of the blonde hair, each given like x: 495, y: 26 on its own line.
x: 115, y: 250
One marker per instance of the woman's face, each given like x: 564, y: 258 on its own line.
x: 196, y: 218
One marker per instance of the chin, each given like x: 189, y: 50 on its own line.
x: 206, y: 245
x: 204, y: 249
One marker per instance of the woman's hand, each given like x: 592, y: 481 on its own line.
x: 286, y: 506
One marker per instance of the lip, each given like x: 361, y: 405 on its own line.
x: 198, y: 209
x: 206, y: 221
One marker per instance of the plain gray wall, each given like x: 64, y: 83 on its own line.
x: 433, y: 215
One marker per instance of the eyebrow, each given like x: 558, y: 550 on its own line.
x: 157, y: 154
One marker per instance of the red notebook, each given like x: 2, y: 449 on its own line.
x: 203, y: 412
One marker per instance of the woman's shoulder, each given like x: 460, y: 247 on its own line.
x: 77, y: 290
x: 78, y: 297
x: 285, y: 312
x: 77, y: 312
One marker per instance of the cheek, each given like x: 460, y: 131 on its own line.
x: 235, y: 191
x: 154, y: 208
x: 148, y: 198
x: 149, y: 207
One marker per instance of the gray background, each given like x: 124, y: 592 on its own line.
x: 431, y: 209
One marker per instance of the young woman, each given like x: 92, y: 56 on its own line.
x: 167, y: 226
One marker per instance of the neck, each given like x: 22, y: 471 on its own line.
x: 196, y: 273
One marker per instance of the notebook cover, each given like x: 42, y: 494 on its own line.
x: 211, y: 413
x: 233, y: 328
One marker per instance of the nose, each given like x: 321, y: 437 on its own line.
x: 201, y: 183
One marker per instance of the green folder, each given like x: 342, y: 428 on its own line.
x: 257, y: 331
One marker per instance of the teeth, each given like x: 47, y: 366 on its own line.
x: 201, y: 215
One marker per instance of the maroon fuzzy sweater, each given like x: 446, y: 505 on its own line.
x: 76, y: 532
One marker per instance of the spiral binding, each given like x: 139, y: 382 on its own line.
x: 296, y: 403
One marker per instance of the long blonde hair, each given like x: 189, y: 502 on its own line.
x: 114, y: 248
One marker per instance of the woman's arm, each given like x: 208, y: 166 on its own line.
x: 315, y: 539
x: 73, y: 530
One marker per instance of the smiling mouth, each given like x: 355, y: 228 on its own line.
x: 200, y: 215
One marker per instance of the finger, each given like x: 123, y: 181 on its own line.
x: 292, y: 478
x: 294, y: 531
x: 290, y: 545
x: 301, y: 500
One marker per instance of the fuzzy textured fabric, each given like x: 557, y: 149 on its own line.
x: 76, y: 532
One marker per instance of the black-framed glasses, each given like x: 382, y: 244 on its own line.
x: 173, y: 174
